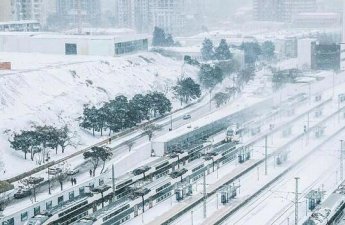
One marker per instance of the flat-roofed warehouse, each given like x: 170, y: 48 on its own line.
x: 62, y: 44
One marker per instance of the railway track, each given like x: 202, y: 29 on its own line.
x: 186, y: 209
x: 229, y: 213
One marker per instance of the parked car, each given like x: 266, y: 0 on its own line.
x: 35, y: 180
x: 187, y: 117
x: 22, y: 193
x: 72, y: 172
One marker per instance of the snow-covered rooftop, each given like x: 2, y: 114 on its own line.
x: 50, y: 35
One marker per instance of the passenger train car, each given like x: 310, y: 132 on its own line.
x: 330, y: 211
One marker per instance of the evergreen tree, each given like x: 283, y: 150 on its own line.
x: 118, y: 117
x: 220, y: 98
x: 268, y: 49
x: 222, y: 52
x: 207, y: 51
x: 252, y: 51
x: 210, y: 76
x: 158, y: 37
x: 89, y: 119
x: 159, y: 104
x: 139, y: 108
x: 169, y: 41
x: 186, y: 90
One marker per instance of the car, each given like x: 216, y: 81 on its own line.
x: 72, y: 172
x: 35, y: 180
x: 187, y: 117
x: 54, y: 171
x: 22, y: 193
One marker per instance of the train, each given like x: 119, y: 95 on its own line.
x: 331, y: 210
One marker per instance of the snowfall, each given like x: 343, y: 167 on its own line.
x: 51, y: 89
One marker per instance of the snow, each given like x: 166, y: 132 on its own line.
x: 52, y: 89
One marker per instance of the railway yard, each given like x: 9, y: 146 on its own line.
x: 201, y: 173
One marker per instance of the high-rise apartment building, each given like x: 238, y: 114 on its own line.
x: 28, y: 10
x: 5, y: 10
x: 282, y: 10
x: 135, y: 14
x: 70, y: 12
x: 144, y: 15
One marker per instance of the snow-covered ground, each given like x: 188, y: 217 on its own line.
x: 51, y: 90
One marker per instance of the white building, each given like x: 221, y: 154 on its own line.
x: 135, y: 14
x: 317, y: 20
x: 174, y: 16
x: 281, y: 10
x: 20, y: 26
x: 60, y: 44
x: 5, y: 10
x: 304, y: 53
x: 28, y: 10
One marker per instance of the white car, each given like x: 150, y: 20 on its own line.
x: 187, y: 117
x: 72, y: 172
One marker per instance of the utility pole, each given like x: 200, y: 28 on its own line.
x: 113, y: 179
x: 296, y: 201
x: 191, y: 215
x: 266, y: 155
x: 341, y: 162
x: 205, y: 202
x: 171, y: 122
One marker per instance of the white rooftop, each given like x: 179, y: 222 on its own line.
x: 19, y: 22
x: 52, y: 35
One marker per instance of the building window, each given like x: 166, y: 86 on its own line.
x: 71, y: 49
x: 37, y: 210
x: 49, y: 205
x: 60, y: 200
x: 71, y: 195
x: 8, y: 222
x: 81, y: 190
x: 24, y: 216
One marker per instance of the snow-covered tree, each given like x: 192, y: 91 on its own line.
x: 159, y: 103
x: 220, y: 98
x: 268, y: 49
x: 186, y: 90
x: 252, y: 51
x: 158, y: 37
x: 98, y: 155
x: 210, y: 76
x: 207, y: 50
x: 89, y: 119
x: 138, y: 108
x: 222, y: 52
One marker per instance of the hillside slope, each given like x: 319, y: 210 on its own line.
x: 47, y: 89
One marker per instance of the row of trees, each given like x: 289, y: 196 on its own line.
x: 209, y: 52
x: 122, y: 113
x: 41, y: 139
x: 253, y: 50
x: 243, y: 77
